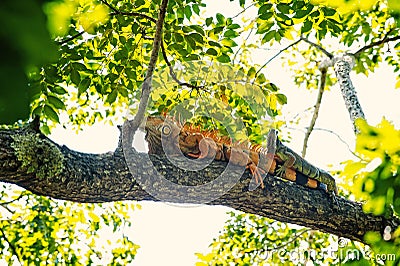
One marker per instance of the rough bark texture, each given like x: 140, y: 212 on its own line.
x: 343, y: 66
x: 106, y: 177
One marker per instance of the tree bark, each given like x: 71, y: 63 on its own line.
x: 343, y: 66
x: 106, y: 177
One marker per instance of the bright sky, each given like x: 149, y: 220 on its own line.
x: 171, y: 234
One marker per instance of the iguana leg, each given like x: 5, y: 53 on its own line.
x: 257, y: 173
x: 289, y: 162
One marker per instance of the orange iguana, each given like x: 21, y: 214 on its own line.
x: 164, y: 135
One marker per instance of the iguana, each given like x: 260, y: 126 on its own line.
x: 165, y: 135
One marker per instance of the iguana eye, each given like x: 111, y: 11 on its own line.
x: 166, y: 130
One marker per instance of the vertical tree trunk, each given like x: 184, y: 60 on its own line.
x: 343, y: 65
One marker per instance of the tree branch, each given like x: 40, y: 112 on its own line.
x: 321, y: 89
x: 384, y: 40
x: 106, y: 177
x: 132, y: 126
x: 276, y: 55
x: 172, y: 72
x: 319, y: 47
x: 71, y: 38
x: 12, y: 247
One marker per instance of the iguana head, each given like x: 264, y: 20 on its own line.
x: 161, y: 134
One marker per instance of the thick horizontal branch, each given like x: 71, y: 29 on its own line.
x: 106, y: 177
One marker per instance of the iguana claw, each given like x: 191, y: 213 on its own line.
x: 257, y: 174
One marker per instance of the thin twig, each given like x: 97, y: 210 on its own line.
x: 12, y: 247
x: 385, y: 39
x: 244, y: 10
x: 11, y: 201
x: 319, y: 47
x: 71, y: 38
x: 134, y: 14
x: 276, y: 55
x: 317, y: 106
x: 240, y: 48
x: 329, y: 131
x: 133, y: 125
x: 109, y: 5
x: 285, y: 244
x: 172, y: 72
x: 340, y: 138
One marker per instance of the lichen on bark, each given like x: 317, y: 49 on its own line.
x: 38, y: 155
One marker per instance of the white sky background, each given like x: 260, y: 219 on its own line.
x: 171, y: 234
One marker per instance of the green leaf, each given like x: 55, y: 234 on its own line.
x: 268, y: 37
x: 282, y: 99
x: 37, y: 110
x: 306, y: 27
x: 266, y: 16
x: 231, y: 34
x: 228, y: 42
x: 188, y: 12
x: 251, y: 73
x: 301, y: 13
x: 50, y: 113
x: 212, y: 43
x: 224, y: 58
x: 57, y: 90
x: 209, y: 21
x: 234, y: 26
x: 211, y: 51
x: 220, y: 19
x: 264, y: 27
x: 57, y: 103
x: 264, y: 8
x: 196, y: 9
x: 284, y: 8
x: 197, y: 37
x: 112, y: 96
x: 84, y: 85
x: 328, y: 11
x: 75, y: 77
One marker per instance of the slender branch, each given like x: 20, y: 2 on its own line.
x: 285, y: 244
x: 172, y: 72
x: 71, y: 38
x: 290, y: 241
x: 146, y: 87
x: 12, y: 247
x: 384, y: 40
x: 319, y: 47
x: 340, y: 139
x: 134, y: 14
x: 321, y: 89
x: 276, y: 55
x: 11, y: 201
x: 244, y: 10
x: 109, y: 5
x: 115, y: 12
x: 333, y: 133
x: 240, y: 48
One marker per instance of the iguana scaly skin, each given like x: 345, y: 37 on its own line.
x: 292, y: 160
x: 166, y: 136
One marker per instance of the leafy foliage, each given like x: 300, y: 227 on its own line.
x: 22, y: 49
x: 36, y: 230
x: 104, y: 49
x: 254, y: 240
